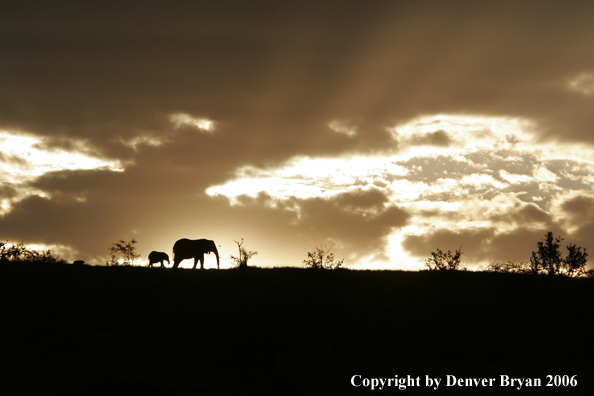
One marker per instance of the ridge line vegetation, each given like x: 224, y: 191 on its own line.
x: 546, y: 259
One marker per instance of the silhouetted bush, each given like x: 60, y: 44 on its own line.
x: 522, y: 267
x: 548, y: 258
x: 244, y: 255
x: 126, y: 249
x: 445, y: 261
x: 320, y: 258
x: 20, y: 252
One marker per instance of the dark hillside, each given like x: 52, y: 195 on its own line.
x: 100, y: 330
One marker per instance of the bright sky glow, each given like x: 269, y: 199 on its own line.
x: 470, y: 170
x: 56, y: 250
x: 305, y: 177
x: 26, y: 157
x: 183, y: 119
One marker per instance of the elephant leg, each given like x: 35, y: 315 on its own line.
x: 195, y: 262
x: 202, y: 262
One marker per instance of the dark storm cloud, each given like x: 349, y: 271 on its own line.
x: 8, y: 191
x: 480, y: 246
x: 518, y: 245
x: 524, y: 214
x: 474, y: 242
x: 356, y: 221
x: 437, y: 138
x: 361, y: 235
x: 580, y: 209
x: 512, y: 236
x: 64, y: 221
x: 360, y: 198
x: 579, y: 212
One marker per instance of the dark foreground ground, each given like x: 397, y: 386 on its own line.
x: 70, y: 330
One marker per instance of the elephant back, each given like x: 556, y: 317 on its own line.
x: 181, y: 245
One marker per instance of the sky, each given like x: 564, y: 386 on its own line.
x: 385, y: 129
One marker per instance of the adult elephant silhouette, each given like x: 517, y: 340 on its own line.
x: 158, y: 257
x: 193, y: 248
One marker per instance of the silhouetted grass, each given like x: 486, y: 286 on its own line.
x: 100, y: 330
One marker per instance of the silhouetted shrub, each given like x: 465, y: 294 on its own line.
x: 20, y: 252
x: 575, y: 261
x: 442, y: 261
x: 126, y: 249
x: 244, y: 255
x: 320, y: 258
x: 522, y: 267
x: 548, y: 258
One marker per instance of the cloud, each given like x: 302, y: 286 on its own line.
x: 582, y: 83
x: 358, y: 222
x: 25, y: 158
x: 305, y: 177
x: 437, y: 138
x: 343, y: 128
x: 182, y: 119
x: 147, y: 140
x: 362, y: 198
x: 474, y: 242
x: 494, y: 180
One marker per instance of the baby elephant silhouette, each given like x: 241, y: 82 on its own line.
x: 158, y: 257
